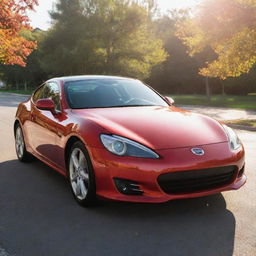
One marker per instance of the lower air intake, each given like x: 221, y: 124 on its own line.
x: 184, y: 182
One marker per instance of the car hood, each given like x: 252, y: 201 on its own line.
x: 157, y: 127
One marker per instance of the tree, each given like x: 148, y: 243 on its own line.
x: 179, y: 72
x: 102, y: 37
x: 14, y: 48
x: 228, y: 27
x: 31, y: 75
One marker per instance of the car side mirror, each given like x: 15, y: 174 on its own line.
x: 169, y: 100
x: 46, y: 104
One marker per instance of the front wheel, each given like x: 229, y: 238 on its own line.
x: 81, y: 175
x: 20, y: 146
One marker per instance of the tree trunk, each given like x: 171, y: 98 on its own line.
x: 208, y: 89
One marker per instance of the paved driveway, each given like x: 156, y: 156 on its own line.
x: 38, y: 216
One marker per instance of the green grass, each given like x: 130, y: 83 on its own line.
x: 28, y: 92
x: 250, y: 123
x: 229, y: 101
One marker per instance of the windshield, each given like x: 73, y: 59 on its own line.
x: 107, y: 93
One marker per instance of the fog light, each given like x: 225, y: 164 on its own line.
x: 128, y: 187
x: 122, y: 186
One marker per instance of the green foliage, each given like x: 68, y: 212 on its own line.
x: 101, y: 37
x: 32, y: 74
x: 229, y: 28
x: 178, y: 73
x: 130, y: 38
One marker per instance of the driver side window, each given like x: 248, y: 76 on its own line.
x: 39, y: 94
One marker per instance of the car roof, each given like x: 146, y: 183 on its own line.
x: 87, y: 77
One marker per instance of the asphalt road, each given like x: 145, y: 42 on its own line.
x: 38, y: 216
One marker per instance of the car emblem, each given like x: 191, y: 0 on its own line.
x: 197, y: 151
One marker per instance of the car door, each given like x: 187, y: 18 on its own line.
x: 43, y: 130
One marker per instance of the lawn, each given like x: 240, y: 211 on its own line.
x: 229, y: 101
x: 28, y: 92
x: 248, y: 123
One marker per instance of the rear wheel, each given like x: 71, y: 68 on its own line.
x: 20, y: 146
x: 81, y: 175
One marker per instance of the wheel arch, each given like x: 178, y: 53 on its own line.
x: 16, y: 122
x: 73, y: 139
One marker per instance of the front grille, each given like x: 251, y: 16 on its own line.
x: 183, y: 182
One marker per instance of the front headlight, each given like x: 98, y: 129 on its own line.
x: 234, y: 141
x: 124, y: 147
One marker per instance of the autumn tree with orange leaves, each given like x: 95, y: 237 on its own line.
x: 228, y: 27
x: 14, y: 48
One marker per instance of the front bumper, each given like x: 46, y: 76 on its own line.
x: 145, y: 172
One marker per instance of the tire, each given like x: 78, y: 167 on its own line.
x: 20, y: 146
x: 81, y: 175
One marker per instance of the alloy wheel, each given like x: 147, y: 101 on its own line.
x: 79, y: 174
x: 19, y: 143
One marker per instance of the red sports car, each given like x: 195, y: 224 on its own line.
x: 116, y: 138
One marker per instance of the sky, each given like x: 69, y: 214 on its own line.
x: 41, y: 19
